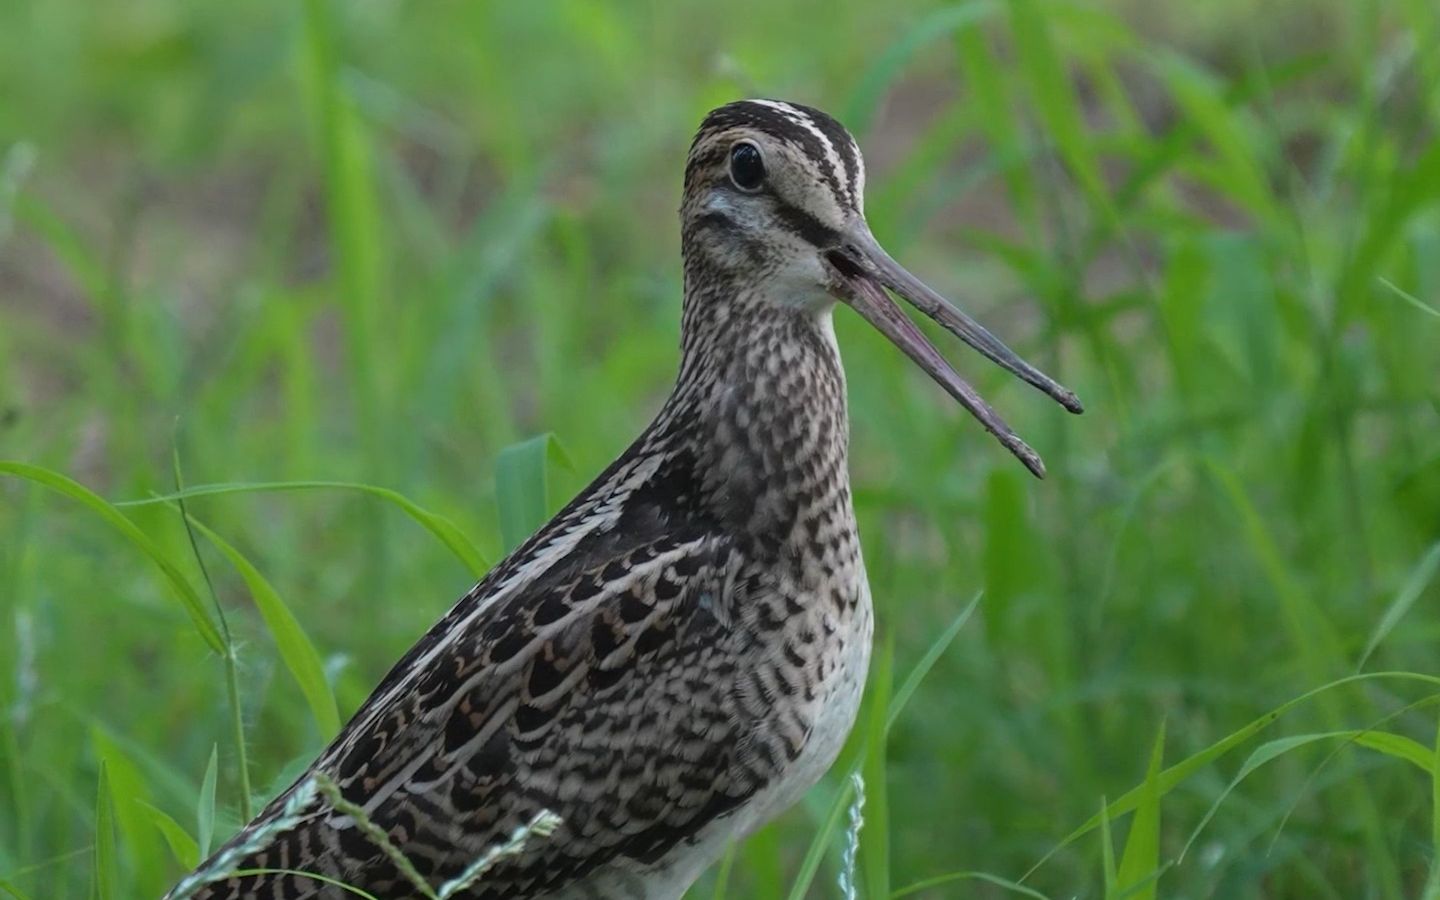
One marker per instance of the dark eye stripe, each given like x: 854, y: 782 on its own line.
x: 797, y: 221
x: 807, y: 226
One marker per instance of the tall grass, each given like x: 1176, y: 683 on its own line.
x: 369, y: 251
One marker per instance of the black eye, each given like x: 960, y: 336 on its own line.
x: 747, y: 169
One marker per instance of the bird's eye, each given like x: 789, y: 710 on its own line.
x: 747, y: 168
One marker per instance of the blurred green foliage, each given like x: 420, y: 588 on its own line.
x: 381, y: 242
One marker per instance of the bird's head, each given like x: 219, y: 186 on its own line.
x: 774, y: 204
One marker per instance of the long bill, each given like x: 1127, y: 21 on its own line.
x: 869, y: 271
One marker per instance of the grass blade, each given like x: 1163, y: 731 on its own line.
x: 875, y: 839
x: 1414, y: 586
x: 1005, y: 884
x: 1041, y: 64
x: 128, y: 798
x: 1393, y: 745
x: 182, y: 846
x: 890, y: 64
x: 722, y: 873
x: 1408, y: 195
x: 296, y: 650
x: 522, y: 486
x: 810, y: 863
x: 106, y: 872
x: 986, y: 78
x: 1010, y: 565
x: 1179, y: 772
x: 13, y: 891
x: 352, y: 209
x: 1107, y: 852
x: 183, y: 589
x: 927, y: 662
x: 205, y: 810
x: 1409, y: 298
x: 761, y: 856
x: 1433, y: 883
x: 442, y: 528
x: 1140, y: 863
x: 1312, y: 635
x: 1206, y: 108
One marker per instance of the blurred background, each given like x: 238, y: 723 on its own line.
x: 389, y: 243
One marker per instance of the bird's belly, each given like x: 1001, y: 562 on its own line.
x: 832, y: 716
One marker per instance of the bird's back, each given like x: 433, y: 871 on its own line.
x: 635, y: 669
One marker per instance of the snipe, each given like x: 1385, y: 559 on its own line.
x: 678, y: 655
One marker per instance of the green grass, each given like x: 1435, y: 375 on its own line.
x: 348, y: 261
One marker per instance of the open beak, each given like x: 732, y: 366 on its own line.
x: 866, y: 271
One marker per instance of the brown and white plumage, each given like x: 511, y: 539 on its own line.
x: 678, y: 655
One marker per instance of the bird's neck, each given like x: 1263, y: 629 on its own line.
x: 759, y: 408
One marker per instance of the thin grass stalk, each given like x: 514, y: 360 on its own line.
x: 846, y: 879
x: 542, y: 824
x: 232, y: 675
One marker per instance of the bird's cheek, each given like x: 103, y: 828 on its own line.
x: 807, y: 280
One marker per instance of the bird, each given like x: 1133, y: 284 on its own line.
x: 678, y: 655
